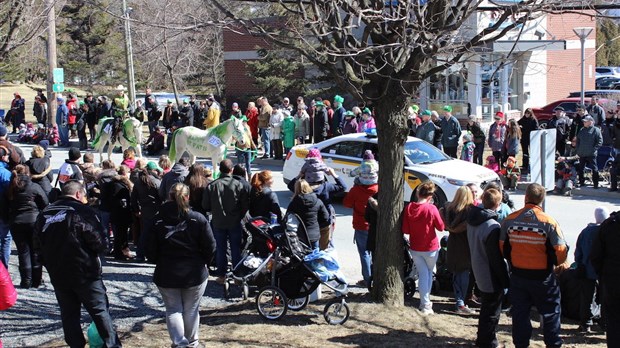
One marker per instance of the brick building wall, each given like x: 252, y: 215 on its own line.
x: 564, y: 67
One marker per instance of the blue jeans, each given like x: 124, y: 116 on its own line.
x: 222, y: 237
x: 5, y: 243
x: 245, y: 157
x: 425, y: 263
x: 265, y: 138
x: 460, y: 283
x: 545, y: 295
x: 361, y: 239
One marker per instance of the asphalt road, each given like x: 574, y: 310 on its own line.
x: 134, y: 299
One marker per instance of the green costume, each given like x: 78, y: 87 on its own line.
x: 288, y: 129
x: 120, y: 104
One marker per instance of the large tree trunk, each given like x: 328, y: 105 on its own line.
x: 388, y: 262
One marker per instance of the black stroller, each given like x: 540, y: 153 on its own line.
x: 285, y: 281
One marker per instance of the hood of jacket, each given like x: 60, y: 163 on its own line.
x: 477, y: 216
x: 169, y: 213
x: 107, y: 175
x: 308, y: 199
x: 179, y: 169
x: 453, y: 219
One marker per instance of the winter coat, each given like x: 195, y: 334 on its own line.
x: 598, y: 113
x: 420, y: 220
x: 366, y: 125
x: 450, y: 132
x: 483, y: 233
x: 512, y: 145
x: 321, y: 123
x: 325, y: 190
x: 264, y: 116
x: 302, y: 124
x: 41, y: 173
x: 227, y: 198
x: 497, y: 136
x: 604, y: 248
x: 426, y: 131
x: 357, y: 199
x: 477, y: 132
x: 337, y: 121
x: 312, y: 212
x: 264, y: 203
x: 181, y: 247
x: 589, y: 140
x: 252, y: 116
x: 467, y: 152
x: 69, y: 171
x: 70, y: 239
x: 187, y: 115
x: 145, y: 198
x: 458, y: 258
x: 117, y: 193
x: 105, y: 178
x: 129, y: 162
x: 350, y: 126
x: 27, y: 202
x: 608, y: 131
x: 288, y: 132
x: 62, y: 115
x: 583, y: 250
x: 213, y: 115
x: 275, y: 123
x: 177, y: 174
x: 371, y: 217
x: 528, y: 125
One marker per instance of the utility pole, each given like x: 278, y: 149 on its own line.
x: 51, y: 60
x: 129, y: 56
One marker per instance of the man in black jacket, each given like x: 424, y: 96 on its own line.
x: 607, y: 266
x: 70, y: 237
x: 227, y: 199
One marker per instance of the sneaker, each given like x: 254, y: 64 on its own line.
x: 584, y: 329
x: 361, y: 284
x: 475, y: 299
x: 464, y: 310
x: 427, y: 311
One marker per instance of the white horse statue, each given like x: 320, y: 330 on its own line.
x: 129, y: 136
x: 210, y: 143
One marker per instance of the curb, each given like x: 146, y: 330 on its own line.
x: 601, y: 192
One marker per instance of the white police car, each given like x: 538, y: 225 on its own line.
x: 422, y: 161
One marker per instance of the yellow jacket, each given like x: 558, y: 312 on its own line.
x: 213, y: 116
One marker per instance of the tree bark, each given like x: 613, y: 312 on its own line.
x: 392, y: 134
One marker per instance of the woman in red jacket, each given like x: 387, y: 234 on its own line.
x: 421, y: 219
x: 252, y: 115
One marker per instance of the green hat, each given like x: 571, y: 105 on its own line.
x: 447, y: 108
x: 426, y: 113
x: 153, y: 166
x: 338, y: 99
x: 366, y: 111
x: 81, y: 103
x: 415, y: 108
x: 169, y: 101
x: 349, y: 113
x: 319, y: 103
x: 185, y: 101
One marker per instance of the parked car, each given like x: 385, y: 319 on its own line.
x: 162, y: 98
x: 607, y: 82
x: 423, y: 161
x: 545, y: 113
x: 607, y: 71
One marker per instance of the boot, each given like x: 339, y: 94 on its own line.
x: 25, y: 275
x: 37, y: 276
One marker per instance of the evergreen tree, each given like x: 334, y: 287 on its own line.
x: 275, y: 72
x: 91, y: 44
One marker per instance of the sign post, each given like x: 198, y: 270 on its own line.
x: 542, y: 157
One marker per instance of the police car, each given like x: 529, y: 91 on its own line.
x: 423, y: 162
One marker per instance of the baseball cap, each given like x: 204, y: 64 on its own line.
x: 415, y: 108
x: 153, y: 166
x: 447, y: 108
x: 426, y: 113
x: 558, y: 108
x: 588, y: 118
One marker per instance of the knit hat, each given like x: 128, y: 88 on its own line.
x: 74, y: 154
x: 368, y: 155
x: 338, y: 99
x: 44, y: 144
x: 601, y: 214
x: 447, y: 108
x: 3, y: 131
x: 426, y: 113
x: 349, y: 114
x: 314, y: 153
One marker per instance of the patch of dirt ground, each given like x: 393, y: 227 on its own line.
x: 370, y: 325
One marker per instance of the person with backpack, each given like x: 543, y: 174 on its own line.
x: 70, y: 170
x: 116, y: 199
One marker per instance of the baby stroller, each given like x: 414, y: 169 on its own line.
x: 295, y: 272
x: 410, y: 272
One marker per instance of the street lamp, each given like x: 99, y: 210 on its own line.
x: 129, y: 56
x: 582, y: 33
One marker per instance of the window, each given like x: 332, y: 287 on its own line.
x: 420, y: 152
x: 569, y: 107
x: 345, y: 148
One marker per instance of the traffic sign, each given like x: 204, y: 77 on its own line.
x: 58, y: 87
x: 59, y: 75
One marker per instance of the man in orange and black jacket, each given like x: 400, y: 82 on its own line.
x: 533, y: 244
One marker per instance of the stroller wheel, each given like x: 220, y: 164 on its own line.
x: 297, y: 304
x: 226, y: 289
x: 336, y: 311
x: 271, y: 303
x: 409, y: 288
x: 246, y: 291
